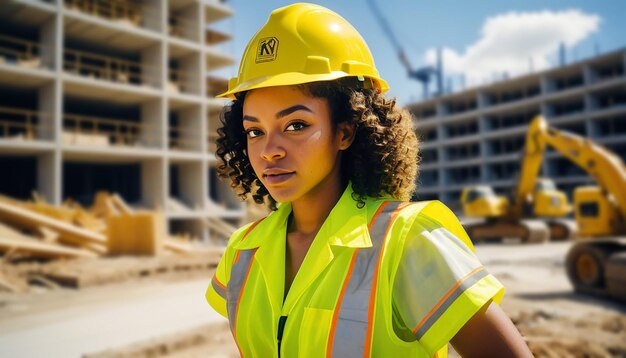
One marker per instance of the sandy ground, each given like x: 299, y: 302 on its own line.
x: 170, y: 319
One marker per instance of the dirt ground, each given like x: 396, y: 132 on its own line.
x: 555, y: 321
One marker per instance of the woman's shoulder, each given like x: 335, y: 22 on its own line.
x: 429, y: 216
x: 241, y: 232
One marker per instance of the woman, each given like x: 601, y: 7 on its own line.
x: 344, y: 266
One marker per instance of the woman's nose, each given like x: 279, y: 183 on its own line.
x: 273, y: 150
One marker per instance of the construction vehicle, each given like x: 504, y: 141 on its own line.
x: 597, y: 262
x: 536, y: 212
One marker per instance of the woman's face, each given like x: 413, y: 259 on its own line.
x: 292, y: 146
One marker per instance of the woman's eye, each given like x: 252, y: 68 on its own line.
x: 253, y: 133
x: 296, y: 126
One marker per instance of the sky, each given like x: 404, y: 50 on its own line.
x: 481, y: 41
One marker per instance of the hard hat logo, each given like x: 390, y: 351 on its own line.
x: 267, y: 49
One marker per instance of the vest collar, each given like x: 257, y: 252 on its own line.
x: 346, y: 225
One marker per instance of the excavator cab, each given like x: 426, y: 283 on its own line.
x: 596, y: 215
x: 482, y: 201
x: 549, y: 201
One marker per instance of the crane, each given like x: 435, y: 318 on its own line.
x: 422, y: 74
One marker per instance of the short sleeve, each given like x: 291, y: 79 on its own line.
x: 439, y: 283
x: 216, y: 291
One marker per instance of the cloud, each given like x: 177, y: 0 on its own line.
x: 509, y: 42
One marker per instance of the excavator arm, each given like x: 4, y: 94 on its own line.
x: 604, y: 166
x: 531, y: 165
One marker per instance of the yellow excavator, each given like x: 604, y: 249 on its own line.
x: 596, y: 263
x: 536, y: 212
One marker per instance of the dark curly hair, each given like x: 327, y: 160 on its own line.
x: 382, y: 160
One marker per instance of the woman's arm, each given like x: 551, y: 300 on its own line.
x: 490, y: 333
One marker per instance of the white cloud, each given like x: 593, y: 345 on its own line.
x: 509, y: 41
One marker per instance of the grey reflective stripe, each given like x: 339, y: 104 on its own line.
x: 351, y: 329
x: 465, y: 284
x: 217, y: 288
x: 238, y: 276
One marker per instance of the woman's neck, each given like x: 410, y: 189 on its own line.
x: 310, y: 212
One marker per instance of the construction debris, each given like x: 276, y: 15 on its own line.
x: 110, y: 227
x: 87, y: 273
x: 136, y: 233
x: 79, y: 273
x: 28, y: 219
x: 42, y: 249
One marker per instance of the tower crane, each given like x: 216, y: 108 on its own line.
x: 423, y: 74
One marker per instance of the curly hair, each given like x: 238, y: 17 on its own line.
x: 382, y: 161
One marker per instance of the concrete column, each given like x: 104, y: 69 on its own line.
x: 154, y: 183
x: 590, y: 103
x: 154, y: 118
x: 154, y: 68
x: 155, y: 13
x: 188, y: 124
x: 190, y: 66
x: 588, y: 74
x: 484, y: 148
x: 49, y: 103
x: 482, y: 100
x: 49, y: 176
x: 440, y: 109
x: 191, y: 186
x: 546, y: 85
x: 48, y: 36
x: 53, y: 187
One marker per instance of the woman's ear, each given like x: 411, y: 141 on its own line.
x: 345, y: 133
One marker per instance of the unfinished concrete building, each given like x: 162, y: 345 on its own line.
x: 477, y: 135
x: 118, y: 96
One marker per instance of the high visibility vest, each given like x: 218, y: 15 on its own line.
x: 343, y: 301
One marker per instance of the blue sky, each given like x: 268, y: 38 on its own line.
x: 532, y: 27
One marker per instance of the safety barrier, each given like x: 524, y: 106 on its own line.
x: 22, y: 52
x: 107, y: 68
x: 23, y: 124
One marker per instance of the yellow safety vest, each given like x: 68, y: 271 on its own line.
x: 387, y: 279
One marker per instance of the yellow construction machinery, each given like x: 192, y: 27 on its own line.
x: 597, y: 262
x: 536, y: 212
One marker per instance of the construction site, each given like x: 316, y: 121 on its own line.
x: 113, y: 219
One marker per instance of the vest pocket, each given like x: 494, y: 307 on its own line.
x: 313, y: 337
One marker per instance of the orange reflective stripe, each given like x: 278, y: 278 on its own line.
x: 218, y: 282
x: 443, y: 299
x: 331, y: 335
x: 380, y: 210
x: 244, y: 236
x: 372, y: 303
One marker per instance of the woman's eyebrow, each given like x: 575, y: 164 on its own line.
x: 290, y: 110
x: 283, y: 113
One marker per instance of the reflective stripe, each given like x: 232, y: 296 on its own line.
x: 244, y: 237
x: 352, y: 319
x: 219, y: 288
x: 333, y: 327
x: 462, y: 285
x: 238, y: 277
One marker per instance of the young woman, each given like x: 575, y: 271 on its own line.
x: 344, y: 266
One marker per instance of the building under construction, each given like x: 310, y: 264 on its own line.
x: 477, y: 135
x: 115, y: 96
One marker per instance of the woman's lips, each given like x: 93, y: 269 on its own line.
x: 277, y: 178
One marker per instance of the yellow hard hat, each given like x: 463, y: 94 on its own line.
x: 303, y: 43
